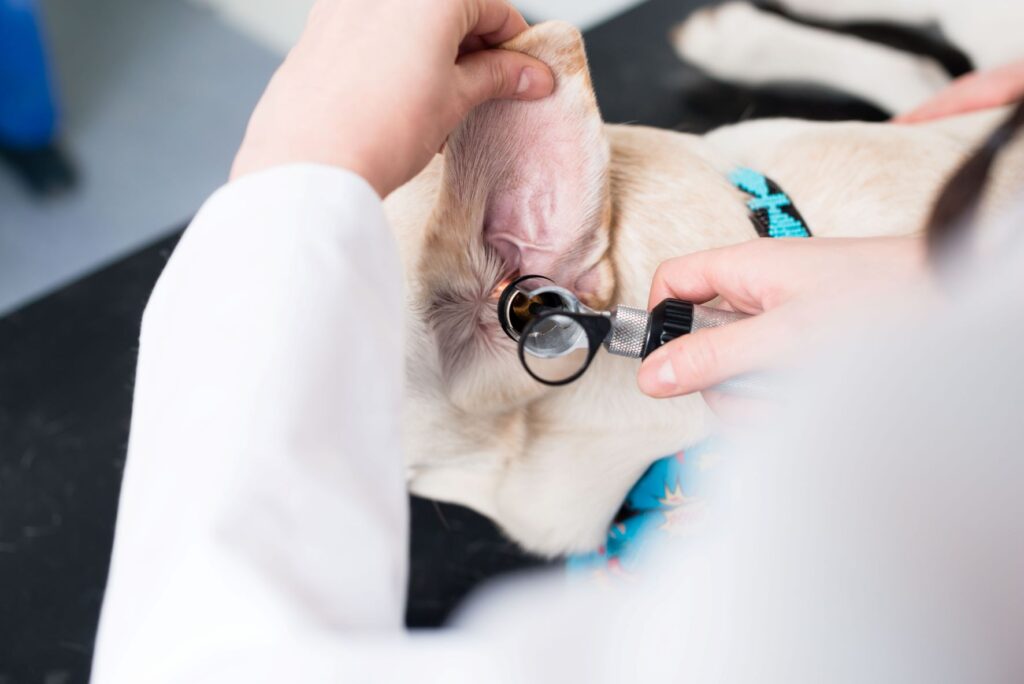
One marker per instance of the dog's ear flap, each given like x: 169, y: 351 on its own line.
x: 534, y: 175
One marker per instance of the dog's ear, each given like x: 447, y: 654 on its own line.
x: 531, y: 178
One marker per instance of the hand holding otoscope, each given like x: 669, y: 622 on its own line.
x: 559, y: 336
x: 799, y: 287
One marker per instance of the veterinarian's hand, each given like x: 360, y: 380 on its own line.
x: 794, y: 286
x: 375, y: 86
x: 975, y: 91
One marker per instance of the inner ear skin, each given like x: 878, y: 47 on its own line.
x: 555, y: 227
x: 518, y: 226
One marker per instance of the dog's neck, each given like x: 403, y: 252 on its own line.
x: 671, y: 194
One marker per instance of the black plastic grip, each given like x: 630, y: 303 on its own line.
x: 670, y: 319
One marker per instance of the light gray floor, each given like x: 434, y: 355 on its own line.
x: 156, y: 94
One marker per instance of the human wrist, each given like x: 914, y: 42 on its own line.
x: 255, y: 155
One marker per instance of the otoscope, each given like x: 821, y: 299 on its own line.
x: 558, y: 335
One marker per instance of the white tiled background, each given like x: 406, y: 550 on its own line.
x: 155, y: 98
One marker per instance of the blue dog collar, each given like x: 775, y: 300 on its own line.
x: 771, y: 210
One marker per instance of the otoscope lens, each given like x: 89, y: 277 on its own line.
x: 557, y: 335
x: 556, y: 349
x: 553, y: 336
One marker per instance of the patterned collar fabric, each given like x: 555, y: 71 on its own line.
x: 669, y: 499
x: 771, y: 210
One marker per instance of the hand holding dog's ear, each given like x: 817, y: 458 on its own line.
x: 376, y: 87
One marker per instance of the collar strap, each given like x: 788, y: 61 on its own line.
x: 771, y: 210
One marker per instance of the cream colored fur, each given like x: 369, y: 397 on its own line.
x: 552, y: 466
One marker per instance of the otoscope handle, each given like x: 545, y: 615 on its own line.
x: 674, y: 318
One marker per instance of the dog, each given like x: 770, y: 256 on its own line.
x: 743, y: 43
x: 547, y: 188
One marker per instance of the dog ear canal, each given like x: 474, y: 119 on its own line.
x: 533, y: 176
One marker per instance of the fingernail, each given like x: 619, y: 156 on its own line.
x: 660, y: 382
x: 667, y: 376
x: 524, y: 81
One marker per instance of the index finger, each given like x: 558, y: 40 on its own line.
x: 701, y: 276
x: 683, y: 277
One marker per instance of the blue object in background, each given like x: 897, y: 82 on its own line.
x: 28, y: 112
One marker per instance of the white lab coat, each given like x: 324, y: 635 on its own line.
x: 263, y: 493
x: 262, y: 530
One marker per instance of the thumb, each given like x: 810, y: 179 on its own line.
x: 705, y: 358
x: 502, y: 74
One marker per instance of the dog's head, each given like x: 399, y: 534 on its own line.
x: 544, y: 188
x: 523, y: 190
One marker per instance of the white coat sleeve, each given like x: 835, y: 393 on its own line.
x: 263, y: 496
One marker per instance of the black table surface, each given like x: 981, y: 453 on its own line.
x: 67, y: 365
